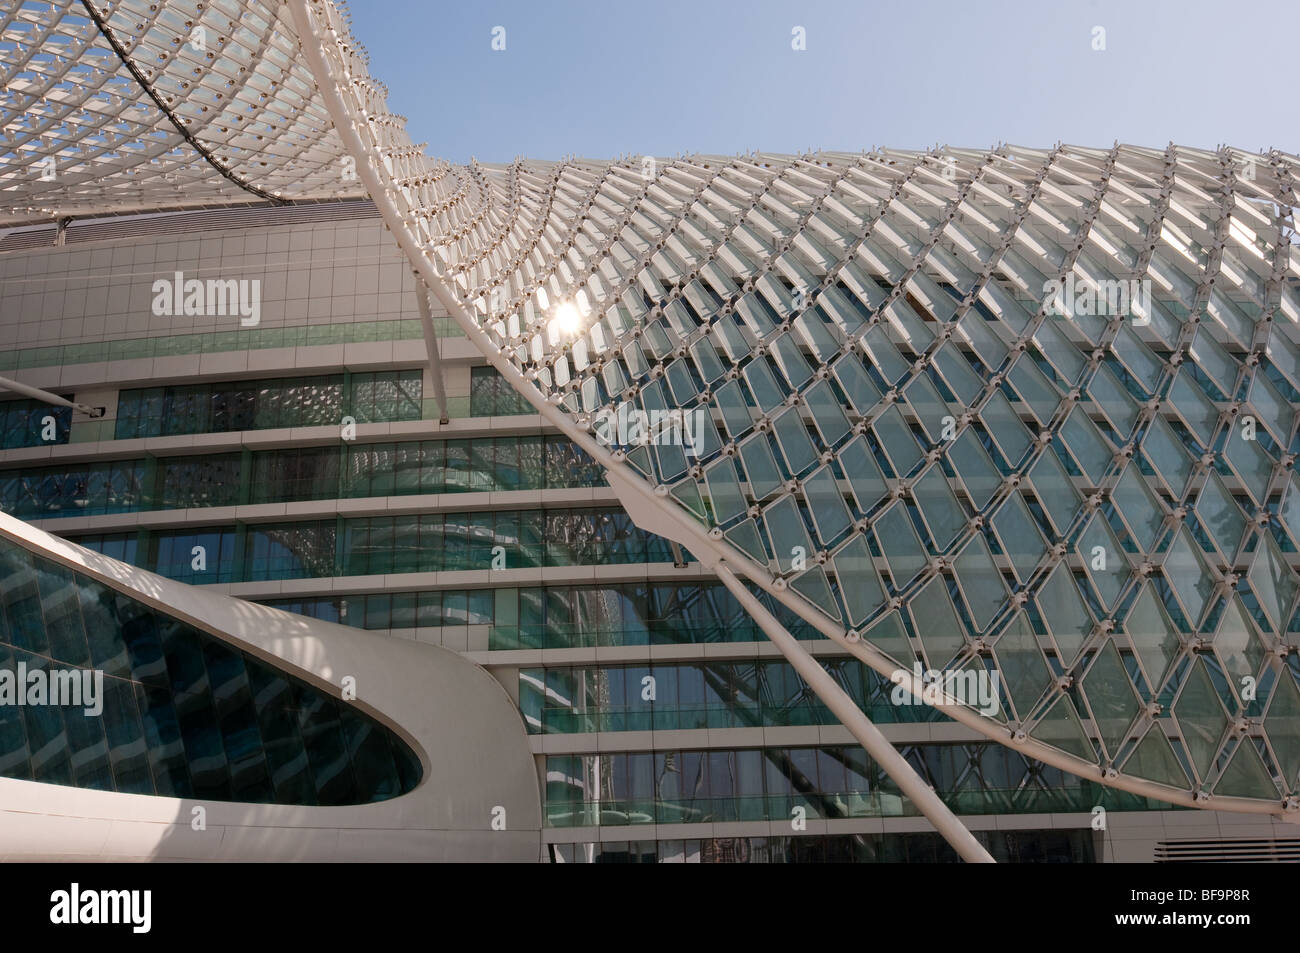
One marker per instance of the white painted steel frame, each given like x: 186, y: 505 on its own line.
x: 471, y: 234
x: 342, y: 92
x: 135, y: 106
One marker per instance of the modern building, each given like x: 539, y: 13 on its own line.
x: 605, y: 511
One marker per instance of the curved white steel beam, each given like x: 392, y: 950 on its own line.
x: 451, y: 237
x: 756, y: 278
x: 458, y: 720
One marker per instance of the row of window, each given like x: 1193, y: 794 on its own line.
x: 918, y: 847
x: 380, y: 545
x: 180, y: 713
x: 245, y: 339
x: 794, y: 784
x: 342, y: 471
x: 33, y: 423
x: 402, y: 610
x: 490, y: 395
x: 560, y: 616
x: 220, y: 407
x: 669, y: 696
x: 223, y: 407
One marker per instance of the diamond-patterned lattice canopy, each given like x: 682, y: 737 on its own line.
x: 134, y: 105
x: 1031, y: 411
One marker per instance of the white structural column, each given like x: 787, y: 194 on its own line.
x: 431, y: 346
x: 859, y: 725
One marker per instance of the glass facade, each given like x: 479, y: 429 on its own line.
x: 490, y: 395
x: 668, y: 696
x: 183, y: 714
x: 769, y: 784
x: 977, y: 479
x: 1032, y: 410
x: 372, y: 397
x: 342, y: 471
x: 1052, y: 846
x: 1052, y: 434
x: 556, y: 616
x: 33, y: 423
x: 428, y: 542
x: 404, y: 610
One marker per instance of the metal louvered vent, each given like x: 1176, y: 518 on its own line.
x: 1224, y: 850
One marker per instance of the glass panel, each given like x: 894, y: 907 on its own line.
x: 1153, y: 636
x: 724, y: 491
x: 1273, y: 582
x: 1087, y: 445
x: 900, y: 544
x: 1253, y: 465
x: 1054, y: 490
x: 936, y: 623
x: 1139, y: 507
x: 856, y: 384
x: 1110, y: 696
x: 1019, y: 536
x: 760, y: 466
x: 1167, y: 455
x: 1220, y: 516
x: 826, y: 412
x: 830, y: 515
x: 1191, y: 579
x: 974, y: 469
x: 981, y: 583
x: 1039, y: 395
x: 1005, y: 426
x: 858, y: 582
x: 896, y: 437
x: 1065, y: 612
x: 1023, y: 667
x: 942, y: 513
x: 181, y: 712
x: 1104, y: 560
x: 1201, y: 718
x: 863, y: 473
x: 786, y: 530
x: 792, y: 438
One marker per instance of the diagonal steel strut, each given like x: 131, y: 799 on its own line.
x: 860, y: 726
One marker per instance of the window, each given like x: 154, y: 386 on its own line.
x: 490, y: 395
x: 369, y: 397
x: 33, y: 423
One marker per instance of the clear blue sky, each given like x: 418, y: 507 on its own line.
x: 600, y: 79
